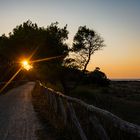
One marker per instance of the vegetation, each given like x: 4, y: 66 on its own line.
x: 98, y: 96
x: 30, y: 41
x: 63, y: 73
x: 118, y: 100
x: 85, y: 43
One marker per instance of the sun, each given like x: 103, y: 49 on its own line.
x: 26, y: 65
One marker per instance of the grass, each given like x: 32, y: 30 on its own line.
x: 40, y: 106
x: 52, y: 128
x: 125, y: 106
x: 135, y: 97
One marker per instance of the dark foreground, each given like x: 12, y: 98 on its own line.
x: 122, y: 98
x: 103, y: 97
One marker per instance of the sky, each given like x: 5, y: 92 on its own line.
x: 117, y: 21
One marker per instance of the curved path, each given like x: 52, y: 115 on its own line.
x: 17, y: 118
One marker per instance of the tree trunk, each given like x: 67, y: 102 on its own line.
x: 85, y: 67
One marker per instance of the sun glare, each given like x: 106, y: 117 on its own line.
x: 26, y: 65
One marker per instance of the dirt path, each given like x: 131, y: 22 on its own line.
x: 17, y: 118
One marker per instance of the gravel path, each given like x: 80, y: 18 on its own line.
x: 17, y: 118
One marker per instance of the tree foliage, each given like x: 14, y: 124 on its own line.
x: 85, y: 43
x: 98, y: 77
x: 27, y: 39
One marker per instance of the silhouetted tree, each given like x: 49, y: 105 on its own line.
x: 98, y: 77
x: 85, y: 43
x: 27, y: 39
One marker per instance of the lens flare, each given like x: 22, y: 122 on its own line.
x: 11, y: 79
x: 47, y: 58
x: 26, y: 65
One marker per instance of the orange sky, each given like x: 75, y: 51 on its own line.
x: 117, y: 62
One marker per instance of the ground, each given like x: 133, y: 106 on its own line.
x: 18, y: 120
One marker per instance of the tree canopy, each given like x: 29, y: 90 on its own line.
x: 28, y: 39
x: 86, y: 41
